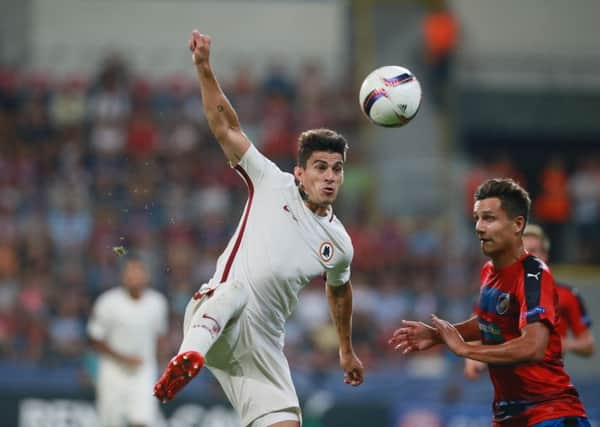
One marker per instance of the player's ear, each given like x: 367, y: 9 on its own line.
x: 519, y: 224
x: 298, y: 172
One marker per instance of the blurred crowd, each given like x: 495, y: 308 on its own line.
x: 89, y: 164
x: 565, y: 200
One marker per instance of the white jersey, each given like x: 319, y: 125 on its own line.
x: 129, y: 326
x: 280, y: 245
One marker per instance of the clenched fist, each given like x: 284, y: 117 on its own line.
x: 200, y: 46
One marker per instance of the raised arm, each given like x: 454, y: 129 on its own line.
x: 340, y: 306
x: 222, y: 118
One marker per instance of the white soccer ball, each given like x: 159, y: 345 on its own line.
x: 390, y: 96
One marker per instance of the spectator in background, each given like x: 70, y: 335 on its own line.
x: 574, y: 316
x: 67, y: 106
x: 584, y: 186
x: 552, y: 206
x: 126, y: 327
x: 66, y: 327
x: 9, y: 288
x: 440, y: 31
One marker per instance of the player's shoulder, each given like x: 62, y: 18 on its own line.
x: 288, y: 180
x: 336, y: 226
x: 110, y: 294
x: 156, y: 296
x: 109, y: 297
x: 487, y: 268
x: 258, y: 168
x: 535, y: 272
x: 532, y: 265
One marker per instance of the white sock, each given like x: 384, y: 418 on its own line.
x: 198, y: 339
x: 212, y: 316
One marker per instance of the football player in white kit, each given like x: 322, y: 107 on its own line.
x: 287, y: 236
x: 125, y: 328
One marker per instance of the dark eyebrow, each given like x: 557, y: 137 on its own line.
x: 339, y: 162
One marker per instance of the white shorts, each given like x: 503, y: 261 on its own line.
x: 249, y: 363
x: 275, y: 417
x: 126, y: 399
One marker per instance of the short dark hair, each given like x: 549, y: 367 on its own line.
x: 514, y: 199
x: 320, y: 140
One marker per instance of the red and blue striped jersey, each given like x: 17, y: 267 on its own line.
x: 511, y: 298
x: 572, y: 310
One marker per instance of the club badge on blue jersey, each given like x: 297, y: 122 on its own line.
x: 503, y: 303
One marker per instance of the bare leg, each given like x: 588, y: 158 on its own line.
x: 286, y: 424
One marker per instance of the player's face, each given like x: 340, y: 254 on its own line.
x: 497, y: 232
x: 535, y: 247
x: 321, y: 179
x: 135, y: 278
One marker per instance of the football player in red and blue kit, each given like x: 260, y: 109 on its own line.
x: 571, y: 308
x: 516, y: 320
x: 574, y: 325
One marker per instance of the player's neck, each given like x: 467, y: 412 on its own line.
x: 508, y: 257
x: 316, y: 208
x: 135, y: 294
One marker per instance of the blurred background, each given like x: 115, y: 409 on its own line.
x: 103, y: 143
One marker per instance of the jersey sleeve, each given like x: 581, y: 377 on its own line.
x: 578, y: 319
x: 339, y: 274
x: 257, y: 168
x: 99, y: 321
x: 538, y: 298
x: 483, y: 279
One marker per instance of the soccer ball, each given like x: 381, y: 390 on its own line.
x: 390, y: 96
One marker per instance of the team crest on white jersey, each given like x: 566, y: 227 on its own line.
x: 326, y: 251
x: 503, y: 303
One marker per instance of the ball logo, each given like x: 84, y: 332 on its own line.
x: 503, y: 303
x: 326, y: 251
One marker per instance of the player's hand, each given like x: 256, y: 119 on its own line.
x: 353, y: 368
x: 413, y: 336
x: 199, y: 44
x: 473, y: 369
x: 567, y: 345
x: 450, y: 335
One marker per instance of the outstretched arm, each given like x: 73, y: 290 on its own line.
x: 340, y: 306
x: 529, y: 347
x: 418, y: 336
x: 222, y: 118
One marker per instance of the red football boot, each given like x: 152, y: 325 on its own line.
x: 180, y: 371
